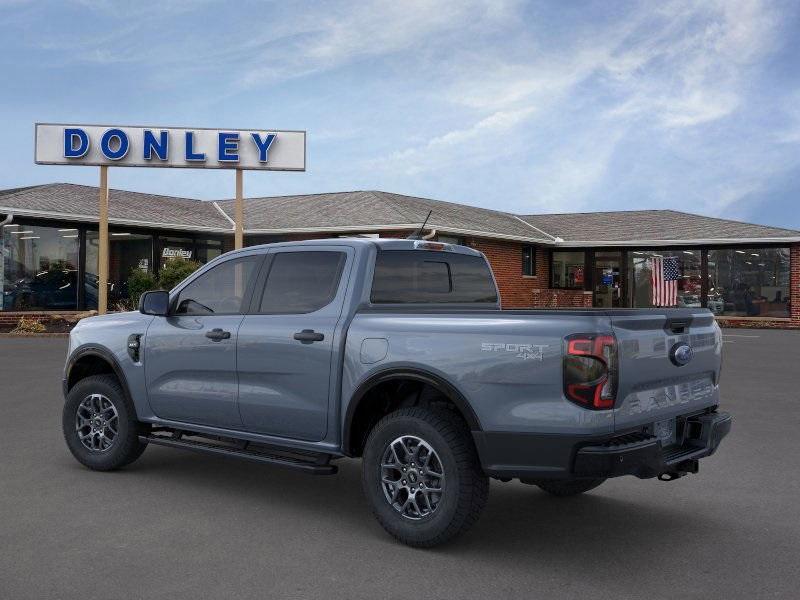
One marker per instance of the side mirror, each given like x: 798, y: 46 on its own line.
x: 155, y: 302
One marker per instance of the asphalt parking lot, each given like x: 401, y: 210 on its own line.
x: 182, y: 525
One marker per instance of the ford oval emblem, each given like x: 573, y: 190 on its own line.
x: 681, y: 354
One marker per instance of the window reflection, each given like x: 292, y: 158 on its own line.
x: 568, y: 270
x: 39, y: 268
x: 746, y: 282
x: 644, y: 264
x: 128, y: 251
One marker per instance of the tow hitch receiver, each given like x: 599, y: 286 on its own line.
x: 681, y: 469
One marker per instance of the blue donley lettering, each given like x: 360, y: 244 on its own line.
x: 115, y: 144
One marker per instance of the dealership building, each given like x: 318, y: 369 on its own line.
x: 747, y: 274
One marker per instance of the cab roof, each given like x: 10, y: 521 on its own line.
x: 380, y: 243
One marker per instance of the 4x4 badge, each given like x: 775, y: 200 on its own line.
x: 523, y: 351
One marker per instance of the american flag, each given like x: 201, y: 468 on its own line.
x: 664, y: 277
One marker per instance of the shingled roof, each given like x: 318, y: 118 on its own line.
x: 635, y: 227
x: 373, y: 211
x: 79, y: 203
x: 377, y: 211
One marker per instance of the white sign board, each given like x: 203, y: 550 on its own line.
x: 189, y: 148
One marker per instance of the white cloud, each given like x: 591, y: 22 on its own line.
x: 469, y: 146
x: 668, y: 70
x: 330, y: 39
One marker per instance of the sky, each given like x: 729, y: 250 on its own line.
x: 528, y: 107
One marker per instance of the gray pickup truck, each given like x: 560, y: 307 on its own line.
x: 297, y: 354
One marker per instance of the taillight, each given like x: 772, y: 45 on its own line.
x: 590, y: 370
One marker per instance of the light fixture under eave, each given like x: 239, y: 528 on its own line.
x: 62, y: 230
x: 11, y: 225
x: 21, y: 232
x: 120, y: 234
x: 30, y: 237
x: 74, y: 235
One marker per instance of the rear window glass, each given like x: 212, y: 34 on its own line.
x: 422, y: 276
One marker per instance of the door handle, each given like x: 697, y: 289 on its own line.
x: 308, y: 336
x: 218, y: 335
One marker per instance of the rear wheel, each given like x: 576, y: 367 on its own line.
x: 100, y: 425
x: 422, y: 476
x: 568, y: 487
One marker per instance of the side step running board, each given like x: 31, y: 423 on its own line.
x: 315, y: 464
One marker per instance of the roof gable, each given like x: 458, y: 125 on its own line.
x: 374, y: 210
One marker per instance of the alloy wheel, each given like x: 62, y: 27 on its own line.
x: 97, y: 423
x: 412, y: 477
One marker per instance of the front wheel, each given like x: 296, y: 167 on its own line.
x: 100, y: 425
x: 422, y: 476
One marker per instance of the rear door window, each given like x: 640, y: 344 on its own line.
x: 302, y: 282
x: 422, y: 276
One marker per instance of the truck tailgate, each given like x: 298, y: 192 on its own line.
x: 653, y: 386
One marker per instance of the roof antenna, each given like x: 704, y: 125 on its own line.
x: 417, y: 235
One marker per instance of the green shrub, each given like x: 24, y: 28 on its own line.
x: 138, y: 283
x: 174, y: 271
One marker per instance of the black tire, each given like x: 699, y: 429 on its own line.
x: 125, y: 447
x: 465, y: 490
x: 568, y: 487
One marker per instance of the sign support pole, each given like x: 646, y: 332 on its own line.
x: 102, y: 267
x: 239, y: 233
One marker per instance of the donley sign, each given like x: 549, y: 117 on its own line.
x: 121, y: 146
x: 178, y: 147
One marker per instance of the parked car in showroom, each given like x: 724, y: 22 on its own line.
x: 395, y: 351
x: 50, y: 288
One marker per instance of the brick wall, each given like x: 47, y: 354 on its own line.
x: 550, y: 298
x: 516, y: 290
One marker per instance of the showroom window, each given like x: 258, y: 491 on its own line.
x: 567, y: 270
x: 176, y: 247
x: 39, y: 268
x: 128, y: 252
x: 749, y: 282
x: 665, y: 278
x: 208, y: 250
x: 529, y: 261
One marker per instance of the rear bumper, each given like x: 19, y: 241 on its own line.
x: 532, y: 456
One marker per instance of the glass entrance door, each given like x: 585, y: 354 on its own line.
x: 607, y: 279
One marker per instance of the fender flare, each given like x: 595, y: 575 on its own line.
x: 103, y: 354
x: 413, y: 373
